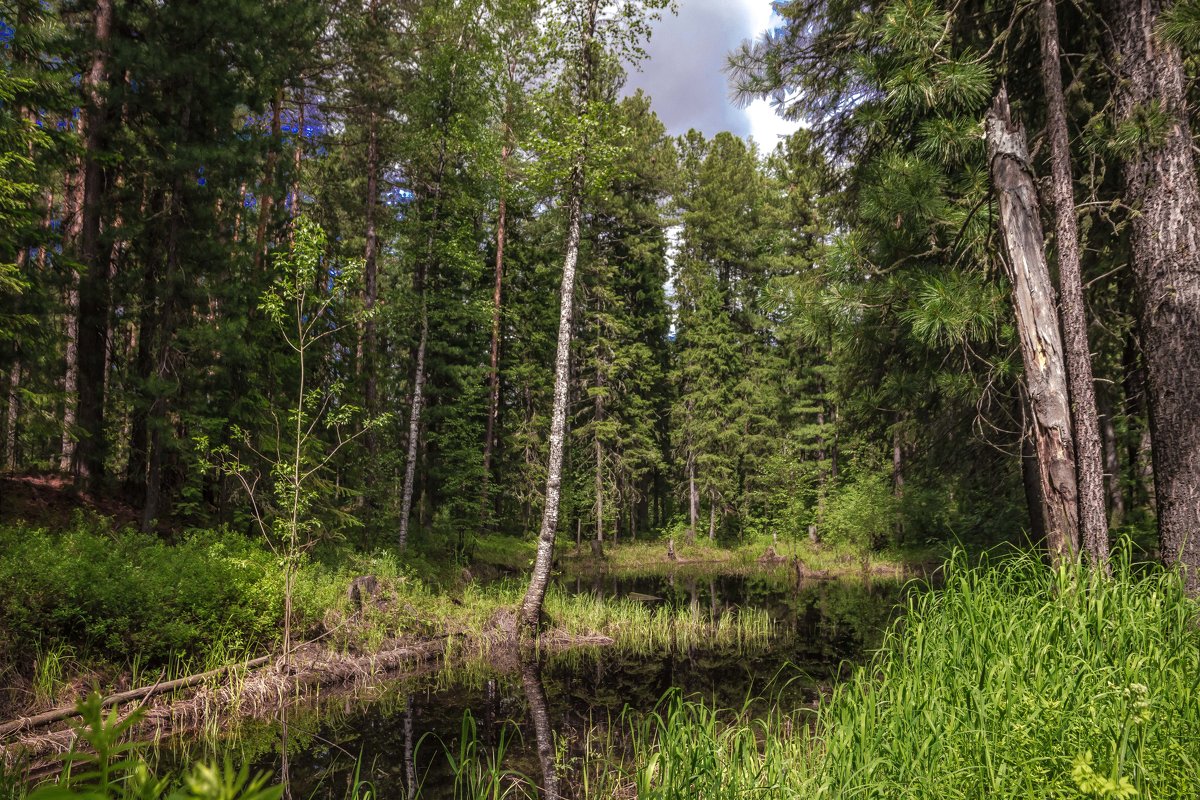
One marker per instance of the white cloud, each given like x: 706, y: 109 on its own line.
x: 766, y: 126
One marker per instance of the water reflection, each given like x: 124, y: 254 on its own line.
x: 399, y: 737
x: 539, y: 713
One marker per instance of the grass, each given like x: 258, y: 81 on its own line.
x: 1012, y: 682
x: 649, y: 557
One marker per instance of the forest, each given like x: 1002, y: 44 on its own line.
x: 394, y: 406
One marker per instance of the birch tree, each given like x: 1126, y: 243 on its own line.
x: 590, y: 34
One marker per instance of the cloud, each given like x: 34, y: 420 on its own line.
x: 766, y: 126
x: 683, y: 69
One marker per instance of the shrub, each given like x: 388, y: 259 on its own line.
x: 123, y: 592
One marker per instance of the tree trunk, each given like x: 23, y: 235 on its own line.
x: 1089, y: 469
x: 712, y: 519
x: 370, y: 280
x: 1112, y: 464
x: 531, y: 606
x: 693, y: 499
x: 66, y: 458
x: 493, y: 412
x: 414, y: 430
x: 598, y: 447
x: 10, y: 420
x: 1161, y: 184
x: 266, y: 196
x: 1037, y: 326
x: 93, y: 283
x: 1031, y: 479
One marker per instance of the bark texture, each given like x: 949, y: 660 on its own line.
x: 1037, y: 327
x: 1161, y: 186
x: 414, y: 430
x: 93, y: 281
x: 1089, y: 468
x: 531, y: 606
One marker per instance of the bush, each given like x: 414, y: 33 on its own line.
x: 118, y: 593
x: 861, y: 511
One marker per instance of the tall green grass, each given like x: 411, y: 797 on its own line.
x: 1014, y: 681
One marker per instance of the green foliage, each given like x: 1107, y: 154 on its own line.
x: 113, y: 770
x: 861, y: 510
x: 121, y: 592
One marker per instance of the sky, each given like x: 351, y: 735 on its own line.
x: 683, y: 73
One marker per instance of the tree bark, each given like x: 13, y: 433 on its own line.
x: 89, y: 453
x: 1089, y: 468
x: 693, y: 500
x: 370, y: 278
x: 493, y: 413
x: 1112, y: 463
x: 10, y: 420
x: 266, y: 198
x: 66, y: 457
x: 1037, y: 327
x: 1161, y: 184
x: 531, y: 606
x: 414, y: 429
x: 1032, y: 482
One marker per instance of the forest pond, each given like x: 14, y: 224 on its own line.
x: 401, y: 735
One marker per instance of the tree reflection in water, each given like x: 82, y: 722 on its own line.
x: 535, y: 697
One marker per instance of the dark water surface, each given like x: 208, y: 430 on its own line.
x: 399, y: 738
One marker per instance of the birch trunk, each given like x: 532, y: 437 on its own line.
x: 1089, y: 467
x: 1161, y: 184
x: 414, y: 430
x: 370, y: 279
x: 1037, y: 327
x: 531, y: 606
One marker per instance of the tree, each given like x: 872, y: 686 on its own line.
x: 1037, y: 326
x: 587, y: 30
x: 1093, y: 521
x: 1159, y: 171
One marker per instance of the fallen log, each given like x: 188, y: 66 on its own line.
x: 59, y: 714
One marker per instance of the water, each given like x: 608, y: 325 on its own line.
x: 398, y: 736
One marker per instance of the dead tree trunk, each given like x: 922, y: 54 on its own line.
x: 1161, y: 184
x: 1089, y: 467
x: 1037, y: 327
x: 693, y: 498
x: 10, y: 420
